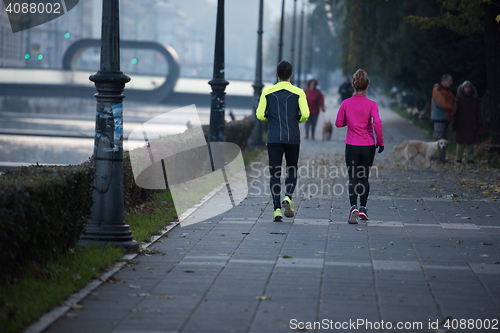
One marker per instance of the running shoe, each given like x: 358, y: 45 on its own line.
x: 287, y: 203
x: 353, y: 215
x: 362, y: 213
x: 277, y: 217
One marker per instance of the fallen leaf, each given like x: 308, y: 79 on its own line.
x: 77, y: 307
x: 359, y: 229
x: 134, y: 287
x: 70, y: 315
x: 485, y: 255
x: 188, y: 271
x: 139, y: 295
x: 166, y: 297
x: 264, y: 298
x: 287, y: 257
x: 112, y: 279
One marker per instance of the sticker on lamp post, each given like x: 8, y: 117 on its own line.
x: 205, y: 180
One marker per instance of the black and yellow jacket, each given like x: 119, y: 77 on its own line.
x: 284, y: 106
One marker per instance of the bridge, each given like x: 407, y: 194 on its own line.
x: 167, y: 88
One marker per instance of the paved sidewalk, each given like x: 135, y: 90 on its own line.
x: 430, y: 251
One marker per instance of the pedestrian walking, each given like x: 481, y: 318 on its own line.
x: 315, y: 101
x: 284, y: 106
x: 346, y: 90
x: 443, y: 106
x: 357, y: 113
x: 467, y: 120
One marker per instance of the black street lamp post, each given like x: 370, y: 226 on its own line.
x: 217, y: 109
x: 293, y: 35
x: 256, y: 137
x: 280, y: 51
x: 107, y: 224
x: 299, y: 78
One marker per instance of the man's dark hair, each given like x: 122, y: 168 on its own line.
x: 445, y: 77
x: 284, y: 70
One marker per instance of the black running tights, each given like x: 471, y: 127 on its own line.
x: 359, y: 160
x: 276, y: 151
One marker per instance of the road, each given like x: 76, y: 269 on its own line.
x: 67, y: 136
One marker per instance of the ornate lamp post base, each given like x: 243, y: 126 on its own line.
x: 107, y: 226
x: 110, y: 235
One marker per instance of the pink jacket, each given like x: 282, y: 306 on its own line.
x: 356, y: 113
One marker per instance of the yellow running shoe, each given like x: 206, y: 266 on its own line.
x: 277, y: 217
x: 287, y: 203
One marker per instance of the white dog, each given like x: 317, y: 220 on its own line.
x: 428, y: 150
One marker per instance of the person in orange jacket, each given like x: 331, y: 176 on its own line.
x: 443, y: 105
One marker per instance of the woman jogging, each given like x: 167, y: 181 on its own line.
x: 284, y: 106
x: 357, y: 113
x: 467, y: 120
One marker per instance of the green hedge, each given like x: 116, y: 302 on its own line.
x: 42, y: 213
x: 237, y: 131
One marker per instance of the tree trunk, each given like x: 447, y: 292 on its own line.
x: 492, y: 50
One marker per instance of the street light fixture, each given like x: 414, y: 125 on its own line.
x: 107, y: 224
x: 218, y: 83
x: 293, y: 36
x: 299, y: 78
x: 280, y: 49
x: 256, y: 136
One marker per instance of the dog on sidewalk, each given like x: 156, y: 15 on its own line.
x: 327, y: 130
x: 430, y: 151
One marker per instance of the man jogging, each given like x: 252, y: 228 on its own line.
x: 284, y: 106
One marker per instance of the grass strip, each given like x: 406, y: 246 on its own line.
x: 250, y: 154
x: 40, y: 290
x: 151, y: 217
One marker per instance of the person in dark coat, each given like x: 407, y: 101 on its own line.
x: 467, y: 120
x: 346, y: 90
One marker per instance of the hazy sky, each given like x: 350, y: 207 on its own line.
x: 241, y: 20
